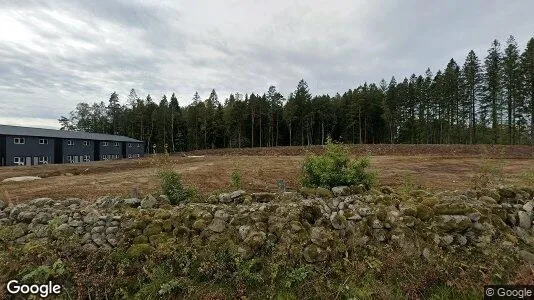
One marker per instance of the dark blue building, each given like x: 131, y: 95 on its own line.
x: 36, y: 146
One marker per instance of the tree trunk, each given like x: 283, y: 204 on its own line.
x: 290, y: 135
x: 322, y: 132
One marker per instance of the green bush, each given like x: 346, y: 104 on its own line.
x: 172, y: 187
x: 334, y: 168
x: 236, y: 179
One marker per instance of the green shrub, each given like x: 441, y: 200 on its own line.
x: 172, y: 187
x: 236, y: 179
x: 334, y: 168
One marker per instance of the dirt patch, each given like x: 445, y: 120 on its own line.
x: 481, y: 151
x: 259, y: 173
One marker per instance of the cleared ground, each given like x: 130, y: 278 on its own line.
x: 433, y: 167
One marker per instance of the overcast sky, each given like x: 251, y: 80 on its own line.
x: 54, y: 54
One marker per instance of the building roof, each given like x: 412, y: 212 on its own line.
x: 51, y: 133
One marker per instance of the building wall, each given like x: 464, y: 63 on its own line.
x: 113, y: 148
x: 31, y: 148
x: 133, y: 149
x: 2, y: 150
x: 78, y: 152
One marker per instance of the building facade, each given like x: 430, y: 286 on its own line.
x: 36, y: 146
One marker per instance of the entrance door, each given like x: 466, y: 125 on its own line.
x: 28, y: 161
x: 81, y: 158
x: 75, y: 159
x: 35, y: 160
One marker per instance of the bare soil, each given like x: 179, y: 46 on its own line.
x: 436, y: 167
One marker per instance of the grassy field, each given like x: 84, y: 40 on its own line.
x: 400, y: 166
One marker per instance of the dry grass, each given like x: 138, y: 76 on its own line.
x: 259, y: 173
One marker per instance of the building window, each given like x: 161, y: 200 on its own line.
x: 70, y: 159
x: 103, y: 157
x: 105, y: 144
x: 86, y: 143
x: 19, y: 141
x: 18, y: 161
x: 129, y: 145
x: 86, y: 158
x: 116, y: 144
x: 138, y: 145
x: 138, y: 155
x: 43, y: 142
x: 129, y: 156
x: 43, y: 160
x: 70, y: 143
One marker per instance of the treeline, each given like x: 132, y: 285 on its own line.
x: 483, y: 101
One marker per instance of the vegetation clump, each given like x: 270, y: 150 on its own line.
x: 172, y: 187
x: 335, y: 168
x: 236, y: 179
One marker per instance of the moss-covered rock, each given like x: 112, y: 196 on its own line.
x: 263, y: 197
x: 423, y: 212
x: 140, y: 239
x: 453, y: 208
x: 323, y: 193
x: 314, y: 253
x: 13, y: 232
x: 450, y: 223
x: 140, y: 250
x: 153, y: 229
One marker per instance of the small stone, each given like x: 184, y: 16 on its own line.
x: 524, y: 219
x: 111, y: 230
x: 320, y: 236
x: 149, y: 202
x: 199, y: 224
x: 90, y: 218
x: 529, y: 206
x: 75, y: 223
x: 98, y: 239
x: 461, y: 240
x: 255, y: 239
x: 263, y: 197
x: 90, y: 247
x: 338, y: 221
x: 132, y: 202
x: 527, y: 256
x: 447, y: 239
x: 335, y: 202
x: 97, y: 229
x: 377, y: 224
x: 313, y: 253
x: 237, y: 196
x: 355, y: 217
x: 243, y: 231
x: 40, y: 202
x: 225, y: 198
x: 488, y: 199
x: 341, y: 190
x: 221, y: 214
x: 364, y: 211
x: 379, y: 235
x: 217, y: 225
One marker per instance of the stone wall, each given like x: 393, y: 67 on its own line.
x: 314, y: 225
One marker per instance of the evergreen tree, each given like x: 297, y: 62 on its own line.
x: 493, y: 85
x: 473, y: 86
x: 528, y: 73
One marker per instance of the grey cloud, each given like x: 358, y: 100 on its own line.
x: 84, y: 50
